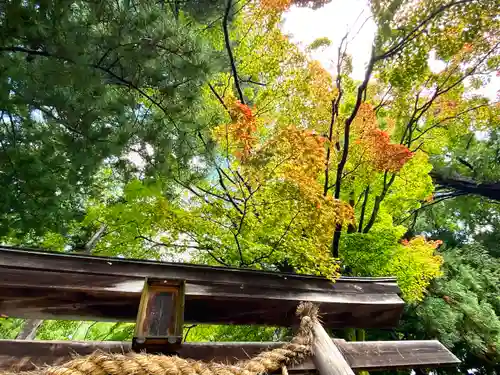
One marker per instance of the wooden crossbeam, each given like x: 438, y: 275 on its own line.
x: 36, y: 284
x: 367, y: 355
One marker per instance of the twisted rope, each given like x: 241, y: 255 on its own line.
x: 100, y: 363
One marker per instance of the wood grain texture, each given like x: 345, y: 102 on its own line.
x: 35, y: 284
x: 376, y: 355
x: 327, y: 357
x: 127, y: 269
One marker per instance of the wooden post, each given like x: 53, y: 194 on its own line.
x: 326, y: 356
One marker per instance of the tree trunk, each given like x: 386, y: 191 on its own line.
x: 28, y: 332
x: 490, y: 190
x: 336, y: 240
x: 89, y: 246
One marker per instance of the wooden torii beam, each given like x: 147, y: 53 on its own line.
x: 364, y: 355
x: 36, y: 284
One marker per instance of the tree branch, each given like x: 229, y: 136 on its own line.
x: 490, y: 190
x: 438, y: 123
x: 345, y: 152
x: 420, y: 111
x: 97, y: 67
x: 435, y: 201
x: 382, y: 101
x: 363, y: 209
x: 467, y: 164
x: 278, y: 243
x: 191, y: 189
x: 235, y: 235
x: 188, y: 329
x: 91, y: 244
x: 414, y: 32
x: 253, y: 82
x: 378, y: 201
x: 218, y: 96
x: 221, y: 181
x: 335, y: 112
x: 227, y: 41
x: 206, y: 248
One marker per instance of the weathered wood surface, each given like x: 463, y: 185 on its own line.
x: 25, y: 355
x: 35, y: 284
x: 327, y: 357
x: 84, y: 264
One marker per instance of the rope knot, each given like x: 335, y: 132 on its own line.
x: 308, y: 310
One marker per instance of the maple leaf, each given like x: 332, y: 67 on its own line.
x: 277, y: 5
x: 376, y: 143
x: 239, y: 135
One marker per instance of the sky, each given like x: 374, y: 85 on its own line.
x: 333, y: 21
x: 305, y: 25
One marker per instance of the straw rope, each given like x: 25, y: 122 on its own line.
x: 100, y: 363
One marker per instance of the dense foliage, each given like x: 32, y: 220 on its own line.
x: 197, y: 131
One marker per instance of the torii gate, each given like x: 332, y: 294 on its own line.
x: 160, y: 297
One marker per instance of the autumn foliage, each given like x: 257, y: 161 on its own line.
x: 386, y: 156
x: 239, y: 135
x: 375, y: 144
x: 277, y: 5
x: 282, y: 5
x: 306, y: 153
x: 299, y: 153
x: 278, y: 172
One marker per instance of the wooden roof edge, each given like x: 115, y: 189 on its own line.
x: 22, y: 252
x: 366, y: 355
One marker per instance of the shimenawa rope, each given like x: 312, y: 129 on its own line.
x: 99, y: 363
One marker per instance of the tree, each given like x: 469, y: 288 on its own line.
x: 462, y: 310
x: 399, y: 58
x: 470, y: 169
x: 87, y: 84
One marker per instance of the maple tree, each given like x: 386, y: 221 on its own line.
x: 266, y: 180
x: 282, y: 5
